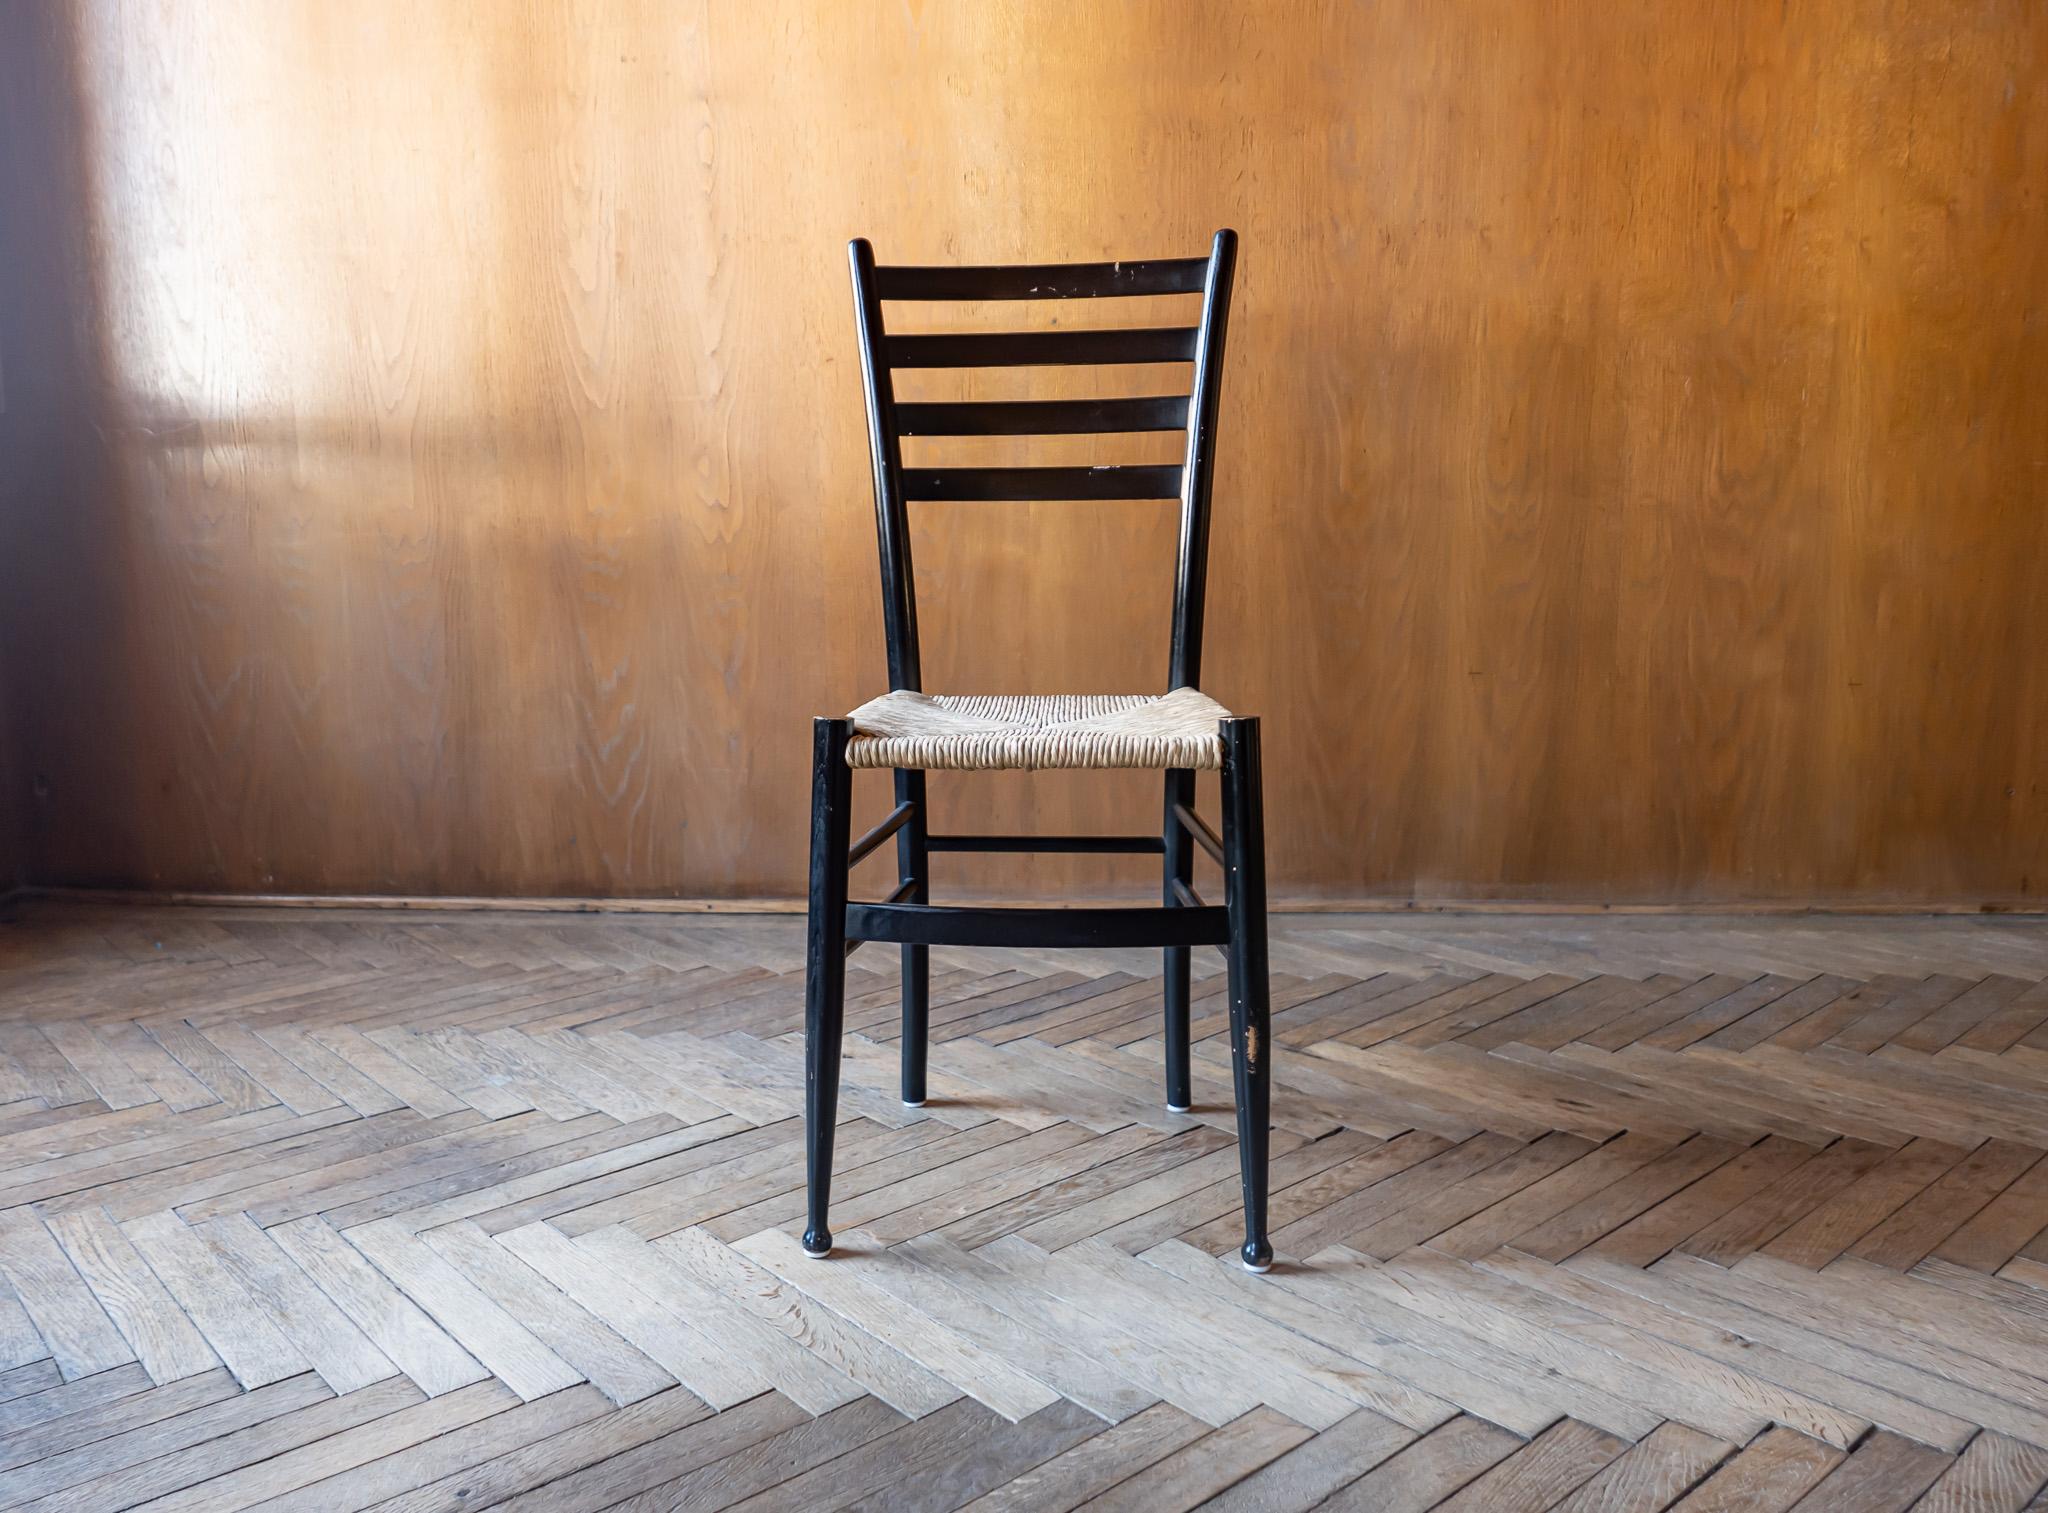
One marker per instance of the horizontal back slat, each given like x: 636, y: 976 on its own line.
x: 1134, y: 482
x: 1043, y: 417
x: 1186, y: 327
x: 1031, y: 349
x: 1174, y: 275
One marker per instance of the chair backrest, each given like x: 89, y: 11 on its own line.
x: 1193, y: 409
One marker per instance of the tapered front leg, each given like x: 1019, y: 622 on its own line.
x: 825, y: 966
x: 1244, y: 865
x: 913, y: 865
x: 1180, y: 866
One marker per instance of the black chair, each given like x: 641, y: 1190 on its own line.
x: 910, y: 732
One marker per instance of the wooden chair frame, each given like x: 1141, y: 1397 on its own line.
x: 907, y: 917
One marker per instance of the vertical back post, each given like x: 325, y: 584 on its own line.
x: 892, y: 524
x: 1191, y: 578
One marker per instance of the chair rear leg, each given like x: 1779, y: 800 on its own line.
x: 1180, y: 866
x: 825, y: 967
x: 913, y: 863
x: 1244, y: 857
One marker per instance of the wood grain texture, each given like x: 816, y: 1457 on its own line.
x: 1037, y: 1300
x: 432, y: 455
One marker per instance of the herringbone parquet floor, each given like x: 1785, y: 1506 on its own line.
x: 338, y: 1211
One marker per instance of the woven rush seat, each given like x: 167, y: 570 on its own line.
x: 1025, y: 732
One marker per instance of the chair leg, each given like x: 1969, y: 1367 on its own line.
x: 1180, y: 865
x: 825, y: 966
x: 1244, y: 856
x: 913, y: 862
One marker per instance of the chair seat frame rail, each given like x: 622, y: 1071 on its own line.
x: 907, y: 917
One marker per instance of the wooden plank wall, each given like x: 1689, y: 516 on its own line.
x: 437, y: 464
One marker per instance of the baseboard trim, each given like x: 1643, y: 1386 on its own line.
x: 437, y: 904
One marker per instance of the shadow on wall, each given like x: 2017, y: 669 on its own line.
x: 64, y: 682
x: 247, y: 645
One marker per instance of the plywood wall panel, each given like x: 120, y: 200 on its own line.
x: 443, y: 466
